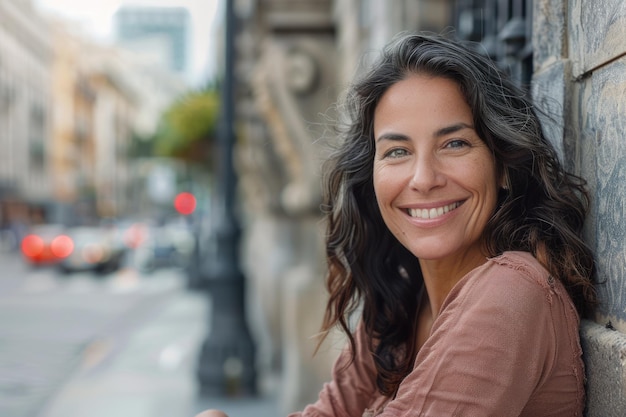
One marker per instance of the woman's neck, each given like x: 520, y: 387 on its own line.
x: 440, y: 276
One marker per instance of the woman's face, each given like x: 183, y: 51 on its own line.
x: 435, y: 179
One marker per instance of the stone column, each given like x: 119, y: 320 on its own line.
x: 289, y: 76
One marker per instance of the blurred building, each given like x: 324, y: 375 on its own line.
x: 73, y: 150
x: 115, y: 108
x: 92, y: 129
x: 158, y: 33
x: 295, y: 58
x: 26, y: 54
x: 69, y: 109
x: 107, y: 97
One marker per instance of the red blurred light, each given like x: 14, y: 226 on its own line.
x: 185, y: 203
x: 32, y: 245
x: 62, y: 246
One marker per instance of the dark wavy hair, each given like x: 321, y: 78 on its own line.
x: 541, y: 210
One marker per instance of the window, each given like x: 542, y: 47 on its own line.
x: 503, y: 29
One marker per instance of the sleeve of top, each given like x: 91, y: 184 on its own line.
x: 487, y: 351
x: 351, y: 387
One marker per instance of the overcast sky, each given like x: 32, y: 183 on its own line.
x: 96, y: 18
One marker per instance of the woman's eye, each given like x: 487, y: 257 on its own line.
x: 456, y: 143
x: 396, y: 153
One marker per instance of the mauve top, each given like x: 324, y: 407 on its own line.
x: 506, y: 343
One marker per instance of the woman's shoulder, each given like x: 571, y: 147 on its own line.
x: 512, y: 288
x: 510, y: 278
x: 520, y: 261
x: 516, y: 257
x: 513, y: 266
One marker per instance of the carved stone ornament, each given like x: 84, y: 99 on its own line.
x: 301, y: 70
x: 286, y: 89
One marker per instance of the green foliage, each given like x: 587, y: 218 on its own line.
x: 188, y: 128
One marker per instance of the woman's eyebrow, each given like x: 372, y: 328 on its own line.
x: 452, y: 129
x: 440, y: 132
x: 393, y: 136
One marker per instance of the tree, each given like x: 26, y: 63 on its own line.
x: 187, y: 129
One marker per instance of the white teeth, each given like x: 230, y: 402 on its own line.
x: 433, y: 212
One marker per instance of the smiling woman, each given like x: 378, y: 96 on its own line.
x: 435, y: 180
x: 455, y: 233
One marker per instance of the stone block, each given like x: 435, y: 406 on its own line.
x: 604, y: 351
x: 597, y: 33
x: 600, y: 115
x: 549, y: 33
x: 548, y: 89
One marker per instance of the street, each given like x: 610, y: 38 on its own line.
x: 55, y: 326
x: 114, y: 345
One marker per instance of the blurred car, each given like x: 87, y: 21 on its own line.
x: 131, y: 234
x: 94, y: 248
x: 167, y: 245
x: 45, y: 244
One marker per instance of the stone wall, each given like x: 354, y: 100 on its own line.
x: 580, y: 78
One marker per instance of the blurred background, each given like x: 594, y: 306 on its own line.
x: 161, y: 244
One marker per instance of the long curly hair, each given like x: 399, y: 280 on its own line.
x: 541, y: 209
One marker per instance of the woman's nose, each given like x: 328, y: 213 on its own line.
x: 427, y: 174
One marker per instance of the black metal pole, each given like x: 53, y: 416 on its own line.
x: 227, y: 359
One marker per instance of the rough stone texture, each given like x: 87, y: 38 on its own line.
x: 600, y: 119
x: 549, y: 95
x: 581, y: 81
x: 597, y: 33
x: 605, y: 359
x: 549, y: 33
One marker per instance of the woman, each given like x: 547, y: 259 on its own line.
x: 456, y: 234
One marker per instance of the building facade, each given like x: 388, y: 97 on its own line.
x: 69, y: 108
x: 91, y: 131
x: 25, y: 102
x: 160, y: 33
x: 73, y: 147
x: 106, y: 98
x: 295, y: 58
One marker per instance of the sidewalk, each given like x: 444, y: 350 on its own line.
x: 149, y: 372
